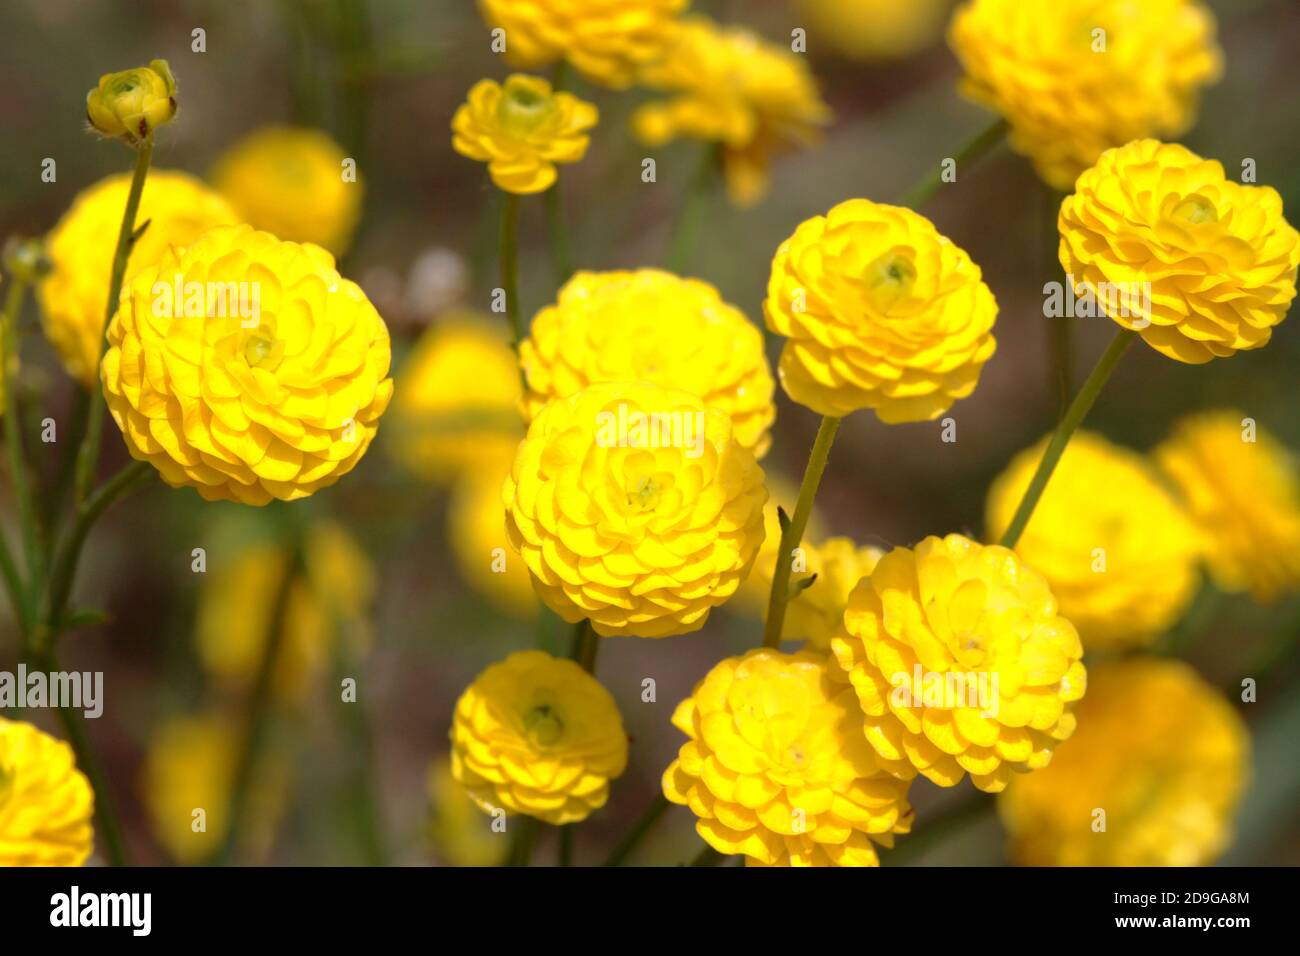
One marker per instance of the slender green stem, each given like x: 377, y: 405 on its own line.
x: 586, y: 643
x: 950, y: 820
x: 692, y: 211
x: 13, y: 585
x: 638, y: 832
x: 88, y: 454
x: 967, y: 156
x: 561, y: 253
x: 27, y: 526
x: 1079, y: 409
x: 510, y: 266
x: 566, y: 844
x: 364, y: 802
x: 708, y: 857
x: 521, y: 850
x: 792, y: 533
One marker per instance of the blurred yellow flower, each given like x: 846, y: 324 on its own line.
x: 459, y: 832
x: 754, y: 591
x: 872, y: 30
x: 1119, y: 553
x: 131, y: 104
x: 1201, y: 266
x: 521, y: 130
x: 188, y: 772
x: 458, y: 401
x: 46, y: 804
x: 816, y: 614
x: 263, y: 377
x: 1074, y: 78
x: 605, y: 39
x: 1152, y: 778
x: 777, y: 768
x: 961, y: 663
x: 480, y: 544
x: 293, y: 182
x: 1242, y: 488
x: 73, y: 297
x: 539, y: 736
x: 879, y: 311
x: 651, y: 326
x: 634, y: 506
x: 731, y: 87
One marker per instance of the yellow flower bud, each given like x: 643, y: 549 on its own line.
x: 133, y: 103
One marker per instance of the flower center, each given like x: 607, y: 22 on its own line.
x: 1196, y: 210
x: 261, y: 351
x: 888, y: 278
x: 543, y: 725
x: 522, y: 107
x: 643, y: 494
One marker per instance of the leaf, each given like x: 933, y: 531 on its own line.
x: 803, y: 584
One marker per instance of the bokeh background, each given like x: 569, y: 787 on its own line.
x: 384, y: 79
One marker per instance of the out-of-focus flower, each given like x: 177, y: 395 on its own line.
x: 1159, y: 752
x: 480, y: 544
x: 1199, y: 265
x: 961, y: 663
x: 634, y: 506
x: 189, y: 770
x: 73, y: 297
x: 752, y: 596
x: 460, y: 834
x: 1074, y: 78
x: 605, y: 39
x: 131, y: 104
x: 651, y: 326
x: 521, y: 130
x: 540, y: 736
x: 733, y: 88
x: 1244, y: 494
x: 879, y: 311
x: 46, y: 803
x: 436, y: 281
x: 458, y: 404
x: 291, y: 182
x: 872, y: 30
x: 777, y: 768
x: 327, y: 604
x: 816, y: 614
x: 263, y: 377
x: 1118, y: 552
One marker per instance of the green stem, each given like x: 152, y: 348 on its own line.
x: 638, y: 832
x: 521, y: 850
x: 792, y: 533
x: 510, y: 266
x: 566, y: 844
x: 968, y: 155
x: 586, y: 643
x: 88, y: 454
x: 27, y: 527
x: 692, y: 211
x: 707, y: 857
x: 1079, y: 409
x: 561, y: 253
x: 13, y: 585
x: 365, y: 803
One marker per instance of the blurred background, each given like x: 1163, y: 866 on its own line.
x: 388, y: 602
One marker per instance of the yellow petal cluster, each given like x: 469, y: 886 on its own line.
x: 1119, y: 553
x: 479, y: 542
x: 46, y: 804
x: 1159, y: 751
x: 277, y: 405
x: 1074, y: 78
x: 777, y: 769
x: 873, y: 30
x: 1216, y: 259
x: 605, y: 39
x: 634, y: 506
x: 521, y: 130
x: 1241, y: 486
x: 457, y: 401
x: 651, y: 326
x: 131, y: 104
x: 816, y: 614
x: 729, y: 86
x: 293, y: 182
x: 74, y: 296
x: 539, y: 736
x: 879, y: 311
x: 961, y: 663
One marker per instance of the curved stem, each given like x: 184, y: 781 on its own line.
x: 638, y: 832
x: 968, y: 155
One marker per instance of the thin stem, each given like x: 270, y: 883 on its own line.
x: 692, y: 211
x: 561, y: 253
x: 521, y: 850
x: 566, y: 844
x: 27, y: 526
x: 88, y: 454
x: 510, y: 266
x: 638, y: 832
x: 13, y: 585
x: 1079, y: 409
x: 792, y: 533
x: 1061, y: 360
x: 707, y: 857
x: 365, y: 804
x: 968, y: 155
x: 586, y: 643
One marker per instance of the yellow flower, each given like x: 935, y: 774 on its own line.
x: 1159, y: 751
x: 458, y: 404
x: 816, y: 614
x: 187, y: 776
x: 755, y: 590
x: 1199, y: 265
x: 1074, y: 78
x: 521, y: 130
x: 539, y: 736
x: 278, y: 404
x: 178, y: 209
x: 1118, y: 552
x: 961, y: 663
x: 871, y: 30
x: 479, y: 542
x: 634, y: 506
x: 327, y: 603
x: 777, y: 768
x: 733, y: 88
x: 651, y: 326
x: 132, y: 104
x: 460, y: 834
x: 290, y: 181
x: 605, y: 39
x: 46, y: 804
x: 1244, y: 494
x: 879, y: 311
